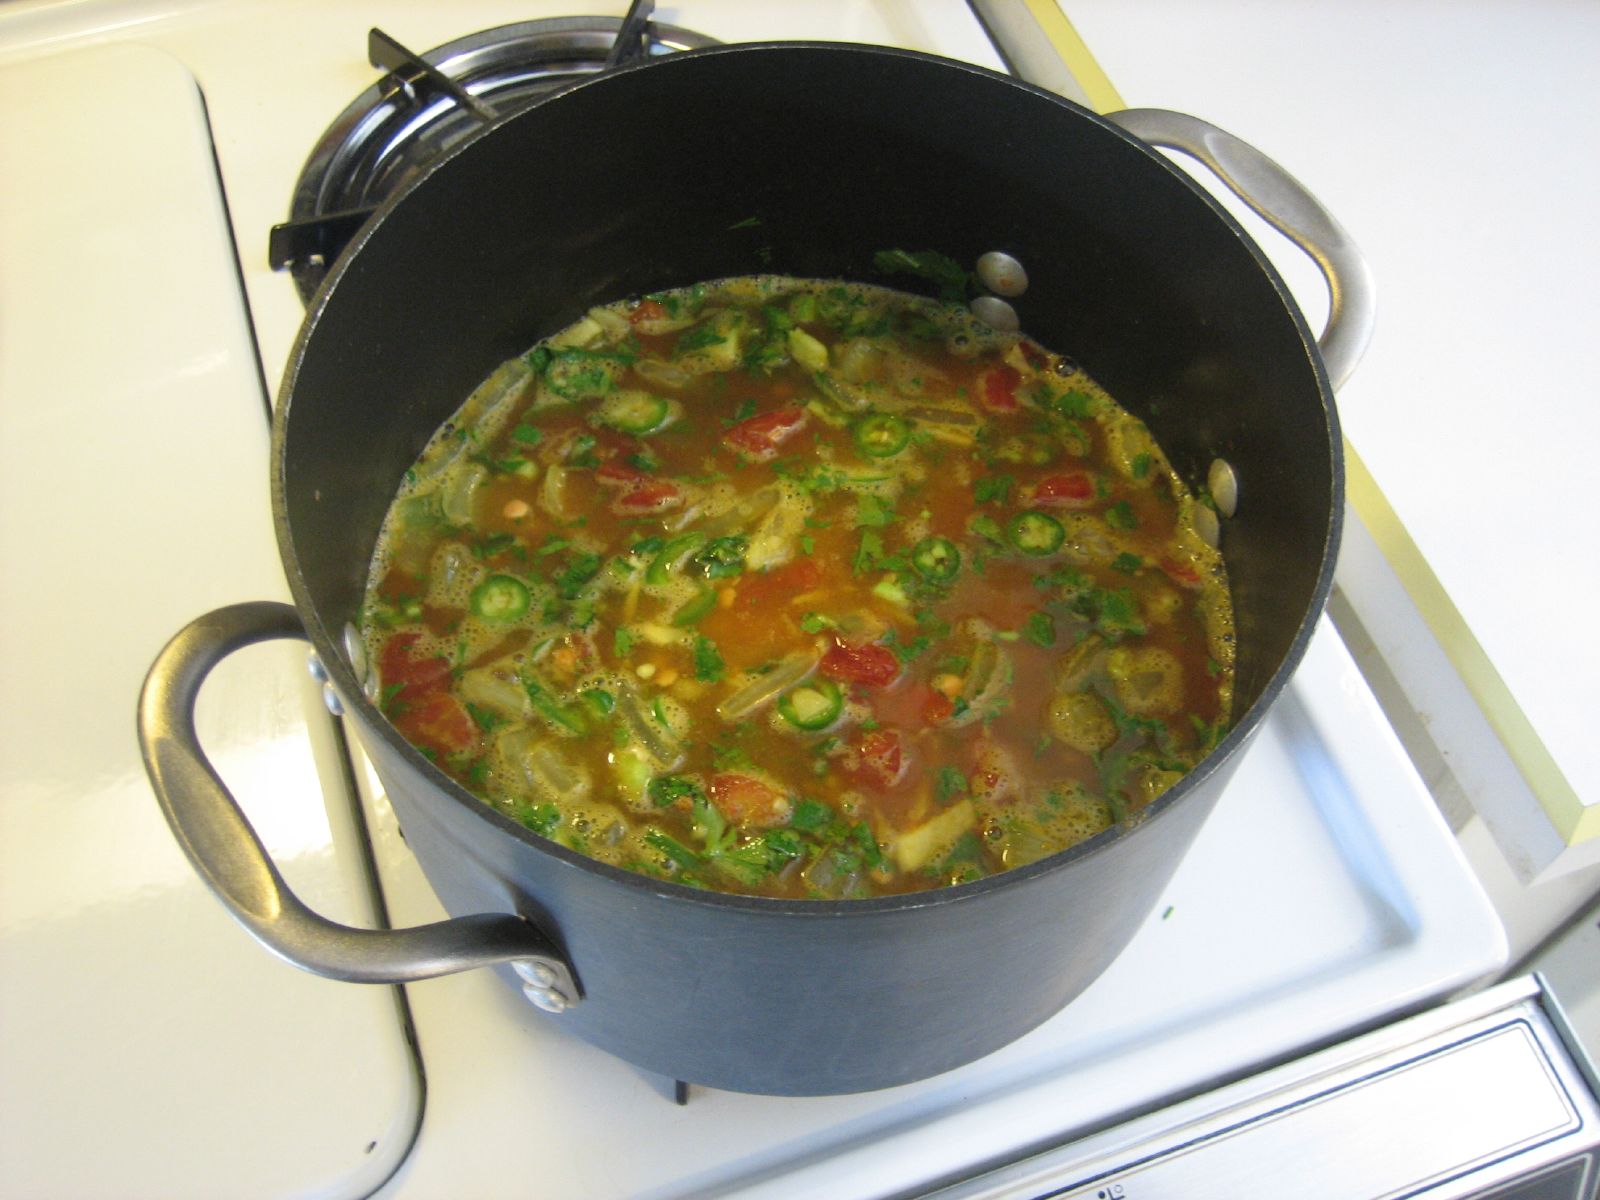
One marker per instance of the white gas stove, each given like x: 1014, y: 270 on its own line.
x: 147, y: 1048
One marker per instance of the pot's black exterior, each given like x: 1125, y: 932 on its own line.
x: 806, y: 160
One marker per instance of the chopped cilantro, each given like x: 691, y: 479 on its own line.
x: 953, y: 280
x: 664, y: 790
x: 1121, y: 516
x: 815, y: 623
x: 872, y: 511
x: 1128, y: 564
x: 708, y: 665
x: 992, y: 487
x: 949, y: 784
x: 870, y: 552
x: 1040, y: 629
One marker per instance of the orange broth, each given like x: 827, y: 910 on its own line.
x: 801, y: 589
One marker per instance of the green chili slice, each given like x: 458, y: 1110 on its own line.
x: 1035, y: 533
x: 936, y: 559
x: 634, y: 412
x: 815, y: 704
x: 881, y: 435
x: 500, y: 598
x: 694, y: 610
x: 672, y: 556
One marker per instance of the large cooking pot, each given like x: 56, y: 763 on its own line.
x: 802, y: 159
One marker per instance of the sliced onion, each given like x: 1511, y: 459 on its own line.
x: 764, y: 689
x: 744, y: 514
x: 985, y: 684
x: 544, y: 768
x: 659, y: 744
x: 458, y: 497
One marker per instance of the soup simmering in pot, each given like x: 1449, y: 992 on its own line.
x: 800, y: 589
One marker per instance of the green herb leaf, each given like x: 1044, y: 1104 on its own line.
x: 949, y: 784
x: 664, y: 790
x: 1121, y: 516
x: 708, y: 664
x: 1040, y: 629
x: 992, y: 487
x: 873, y: 511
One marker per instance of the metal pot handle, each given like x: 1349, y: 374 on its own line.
x: 1285, y: 204
x: 230, y: 858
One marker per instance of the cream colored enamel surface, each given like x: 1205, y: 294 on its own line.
x: 147, y: 1046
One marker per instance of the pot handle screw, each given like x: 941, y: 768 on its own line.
x: 215, y: 834
x: 1293, y: 211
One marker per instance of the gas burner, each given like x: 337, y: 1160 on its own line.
x: 430, y: 102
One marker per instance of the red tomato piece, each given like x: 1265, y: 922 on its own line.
x: 648, y: 310
x: 746, y: 800
x: 649, y: 496
x: 437, y: 721
x: 937, y: 708
x: 866, y: 663
x: 999, y: 390
x: 1072, y: 490
x: 618, y: 475
x: 879, y: 760
x: 760, y: 437
x: 1181, y: 573
x: 414, y: 676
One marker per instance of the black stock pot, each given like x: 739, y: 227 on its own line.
x: 804, y: 160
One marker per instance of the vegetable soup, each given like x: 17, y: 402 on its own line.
x: 801, y: 589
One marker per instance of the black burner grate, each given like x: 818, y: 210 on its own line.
x: 428, y: 103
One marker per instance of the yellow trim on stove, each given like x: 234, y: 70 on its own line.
x: 1103, y: 97
x: 1574, y: 820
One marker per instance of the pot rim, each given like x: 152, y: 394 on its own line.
x: 332, y: 655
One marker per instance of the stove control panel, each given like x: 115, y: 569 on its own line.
x: 1487, y: 1098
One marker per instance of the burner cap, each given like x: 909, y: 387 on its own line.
x: 399, y: 125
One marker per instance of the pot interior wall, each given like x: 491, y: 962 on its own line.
x: 806, y: 161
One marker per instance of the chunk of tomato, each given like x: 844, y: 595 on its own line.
x: 1075, y: 489
x: 1181, y: 574
x: 998, y: 389
x: 649, y: 496
x: 619, y: 475
x: 648, y: 310
x: 879, y: 760
x: 437, y: 721
x: 404, y: 675
x: 746, y: 800
x: 864, y: 663
x: 760, y: 437
x: 937, y: 708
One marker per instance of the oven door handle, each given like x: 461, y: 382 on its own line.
x: 219, y: 840
x: 1283, y: 201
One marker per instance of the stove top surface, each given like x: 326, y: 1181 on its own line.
x: 1324, y: 895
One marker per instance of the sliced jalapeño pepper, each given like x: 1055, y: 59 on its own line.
x: 635, y: 412
x: 936, y: 559
x: 815, y: 704
x: 500, y: 598
x: 694, y: 610
x: 880, y: 435
x: 672, y: 556
x: 1035, y: 533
